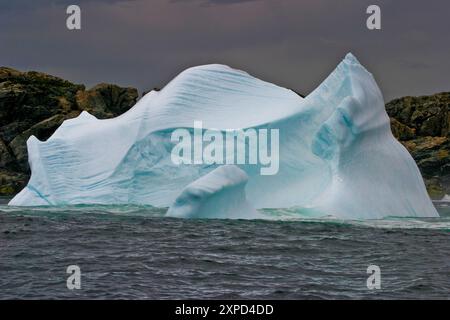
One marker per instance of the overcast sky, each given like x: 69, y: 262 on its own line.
x: 293, y: 43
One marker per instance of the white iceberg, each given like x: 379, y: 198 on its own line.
x: 337, y: 154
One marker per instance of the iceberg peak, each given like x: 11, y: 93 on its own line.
x: 350, y: 58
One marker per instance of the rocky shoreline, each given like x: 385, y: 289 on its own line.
x: 422, y: 125
x: 34, y: 103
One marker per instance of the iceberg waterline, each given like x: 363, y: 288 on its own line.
x: 337, y: 155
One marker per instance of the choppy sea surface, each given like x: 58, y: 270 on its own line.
x: 134, y: 252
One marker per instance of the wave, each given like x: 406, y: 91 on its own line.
x: 267, y: 215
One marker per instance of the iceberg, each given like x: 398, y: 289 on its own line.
x: 337, y: 154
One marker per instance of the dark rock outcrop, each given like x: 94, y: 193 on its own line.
x: 106, y: 100
x: 422, y: 125
x: 428, y: 115
x: 34, y: 103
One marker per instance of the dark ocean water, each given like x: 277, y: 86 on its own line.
x: 133, y: 252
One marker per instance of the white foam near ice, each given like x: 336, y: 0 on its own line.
x: 337, y: 153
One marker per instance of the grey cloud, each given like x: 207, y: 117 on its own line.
x: 8, y: 5
x: 292, y: 43
x: 215, y: 2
